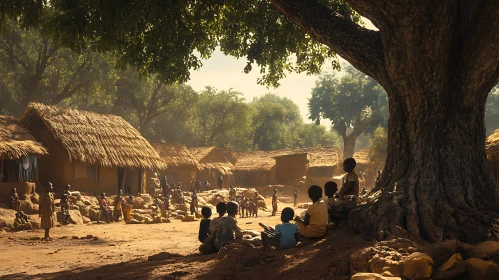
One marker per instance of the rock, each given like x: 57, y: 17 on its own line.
x: 76, y: 194
x: 161, y: 256
x: 372, y: 276
x: 157, y: 219
x: 165, y: 220
x: 440, y: 252
x: 479, y: 269
x: 252, y: 233
x: 305, y: 206
x: 27, y: 207
x: 179, y: 217
x: 85, y: 211
x: 35, y: 198
x: 90, y: 200
x: 468, y: 251
x: 198, y: 215
x: 73, y: 200
x: 146, y: 197
x: 85, y: 220
x: 379, y: 264
x: 452, y: 268
x: 417, y: 266
x: 138, y: 203
x: 188, y: 218
x: 75, y: 217
x: 489, y: 248
x: 93, y: 214
x: 134, y: 222
x: 139, y: 211
x: 181, y: 212
x: 148, y: 220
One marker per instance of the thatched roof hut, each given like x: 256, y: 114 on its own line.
x: 212, y: 158
x: 229, y: 154
x: 175, y: 155
x: 106, y: 140
x: 362, y: 158
x: 256, y: 168
x: 16, y: 141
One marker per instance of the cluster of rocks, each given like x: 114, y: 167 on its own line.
x: 400, y: 259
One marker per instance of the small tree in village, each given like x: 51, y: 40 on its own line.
x: 354, y: 103
x: 437, y: 61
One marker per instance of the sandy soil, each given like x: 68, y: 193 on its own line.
x: 120, y: 251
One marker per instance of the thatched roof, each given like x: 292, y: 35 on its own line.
x: 176, y: 155
x: 258, y: 161
x: 212, y: 158
x: 362, y: 157
x: 16, y: 141
x: 229, y: 154
x: 492, y: 145
x: 106, y: 140
x: 318, y: 157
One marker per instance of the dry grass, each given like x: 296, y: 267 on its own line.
x: 16, y: 141
x: 229, y: 154
x: 362, y: 157
x: 212, y: 158
x: 93, y: 138
x: 176, y: 155
x: 258, y: 161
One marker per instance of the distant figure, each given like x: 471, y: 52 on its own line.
x: 194, y: 203
x: 378, y: 178
x: 199, y: 186
x: 285, y: 235
x: 65, y: 203
x: 21, y: 222
x: 207, y: 186
x: 128, y: 209
x: 220, y: 181
x: 14, y: 197
x: 274, y: 203
x: 316, y: 218
x: 232, y: 193
x: 164, y: 185
x: 295, y: 197
x: 253, y: 207
x: 204, y: 225
x: 255, y: 210
x: 104, y: 209
x: 47, y: 210
x: 118, y: 206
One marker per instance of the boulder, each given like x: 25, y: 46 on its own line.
x: 138, y: 203
x: 85, y: 211
x: 165, y: 220
x: 35, y: 221
x: 180, y: 212
x: 372, y: 276
x: 417, y: 266
x: 188, y: 218
x: 479, y: 269
x: 90, y: 200
x: 35, y: 198
x: 148, y: 220
x: 179, y: 217
x: 452, y: 268
x: 489, y: 248
x: 75, y: 217
x: 85, y: 220
x: 379, y: 264
x: 146, y: 197
x: 93, y: 214
x: 440, y: 252
x: 27, y: 207
x: 76, y: 194
x: 252, y: 233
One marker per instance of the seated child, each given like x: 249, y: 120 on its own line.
x: 330, y: 189
x: 228, y: 231
x: 204, y: 226
x: 21, y: 222
x: 208, y: 246
x: 285, y: 235
x: 316, y: 217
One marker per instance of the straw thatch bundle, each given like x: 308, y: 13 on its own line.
x: 93, y: 138
x: 16, y: 141
x: 492, y: 145
x: 176, y: 155
x: 362, y: 157
x: 212, y: 158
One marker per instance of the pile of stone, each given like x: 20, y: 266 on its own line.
x: 400, y: 259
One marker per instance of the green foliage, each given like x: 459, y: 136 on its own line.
x: 354, y: 103
x: 492, y: 111
x: 170, y: 38
x: 377, y: 150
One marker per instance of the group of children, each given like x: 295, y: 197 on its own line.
x: 319, y: 216
x: 122, y: 208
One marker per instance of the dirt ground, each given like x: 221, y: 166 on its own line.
x: 120, y: 251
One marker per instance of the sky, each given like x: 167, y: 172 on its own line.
x: 226, y: 72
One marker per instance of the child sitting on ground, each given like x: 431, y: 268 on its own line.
x: 330, y: 189
x: 316, y: 219
x: 208, y: 246
x: 228, y: 231
x: 204, y: 225
x: 285, y: 235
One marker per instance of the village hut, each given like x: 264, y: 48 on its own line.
x: 256, y: 168
x: 18, y: 159
x: 182, y: 166
x: 229, y: 154
x: 213, y: 163
x: 492, y: 150
x: 93, y: 152
x: 365, y: 169
x: 292, y: 167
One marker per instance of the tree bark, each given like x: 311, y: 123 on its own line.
x: 440, y: 60
x: 348, y: 146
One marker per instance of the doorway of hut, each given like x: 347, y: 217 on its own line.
x: 124, y: 180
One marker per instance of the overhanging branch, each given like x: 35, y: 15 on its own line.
x: 359, y: 46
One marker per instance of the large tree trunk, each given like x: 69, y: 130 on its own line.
x: 437, y: 60
x: 348, y: 146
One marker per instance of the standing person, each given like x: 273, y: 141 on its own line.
x: 295, y: 196
x: 378, y: 178
x: 194, y: 203
x: 47, y: 210
x: 220, y: 181
x: 232, y: 193
x: 274, y: 203
x: 104, y: 208
x: 207, y: 186
x: 255, y: 210
x: 118, y: 206
x: 128, y: 209
x: 14, y: 197
x: 164, y: 185
x: 65, y: 203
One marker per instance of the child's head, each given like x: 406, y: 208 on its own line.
x: 287, y: 215
x: 330, y: 188
x: 315, y: 193
x: 221, y: 208
x: 349, y: 164
x: 206, y: 212
x: 102, y: 195
x: 68, y: 186
x: 232, y: 208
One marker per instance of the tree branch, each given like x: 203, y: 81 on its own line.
x: 359, y: 46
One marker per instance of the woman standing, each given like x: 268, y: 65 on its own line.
x: 47, y: 210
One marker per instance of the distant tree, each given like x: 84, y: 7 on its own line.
x: 377, y: 148
x: 311, y: 135
x: 35, y: 68
x: 354, y: 103
x: 492, y: 111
